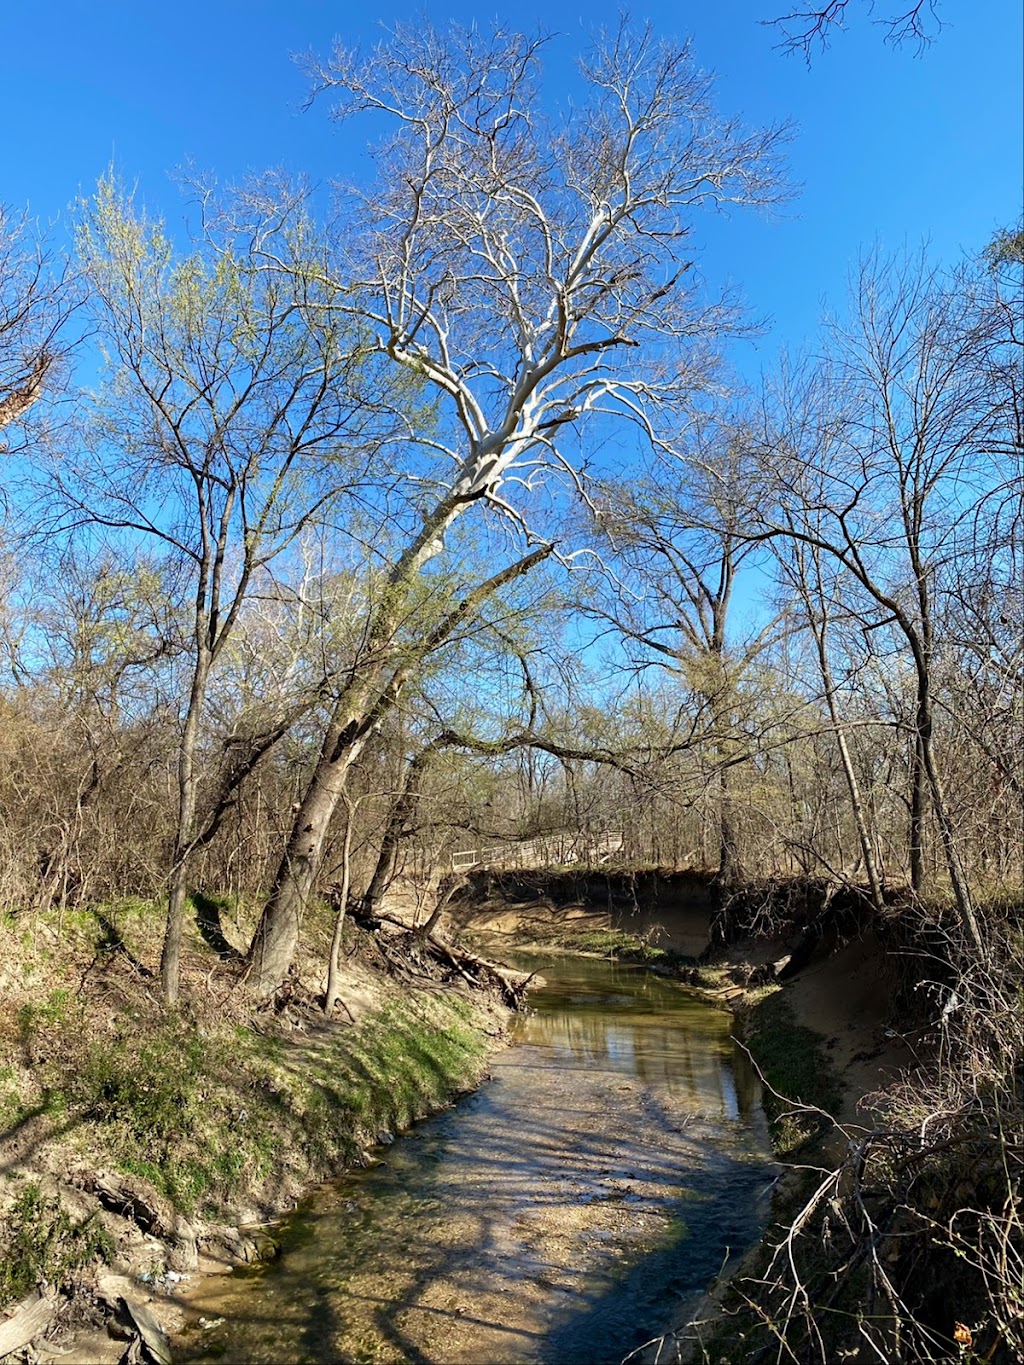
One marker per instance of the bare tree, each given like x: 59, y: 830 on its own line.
x: 225, y: 432
x: 36, y: 300
x: 803, y: 566
x: 893, y: 439
x: 680, y: 541
x: 803, y: 30
x: 534, y: 276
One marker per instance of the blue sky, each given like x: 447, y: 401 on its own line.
x: 889, y: 147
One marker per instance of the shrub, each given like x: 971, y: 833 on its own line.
x: 41, y: 1244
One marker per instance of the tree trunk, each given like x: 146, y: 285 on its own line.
x: 170, y: 957
x: 177, y: 885
x: 730, y: 872
x: 277, y: 935
x: 446, y: 889
x: 360, y: 707
x: 918, y: 779
x: 867, y: 852
x: 387, y: 859
x: 954, y: 866
x: 334, y: 962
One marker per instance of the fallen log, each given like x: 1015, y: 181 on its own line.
x: 512, y: 985
x: 152, y: 1334
x: 131, y: 1197
x: 28, y: 1320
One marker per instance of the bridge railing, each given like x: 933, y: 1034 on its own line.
x: 545, y: 851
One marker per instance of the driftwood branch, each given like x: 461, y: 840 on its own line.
x: 152, y: 1334
x: 28, y: 1320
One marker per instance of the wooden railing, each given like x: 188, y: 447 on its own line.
x: 548, y: 850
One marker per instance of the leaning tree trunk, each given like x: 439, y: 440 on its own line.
x: 446, y: 888
x: 954, y: 866
x: 867, y: 851
x: 359, y: 709
x: 277, y: 935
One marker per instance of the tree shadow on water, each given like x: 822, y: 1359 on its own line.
x: 649, y: 1297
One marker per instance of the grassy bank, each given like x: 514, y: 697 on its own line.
x: 212, y: 1114
x: 134, y: 1137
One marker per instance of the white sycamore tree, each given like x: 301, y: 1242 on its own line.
x: 533, y: 272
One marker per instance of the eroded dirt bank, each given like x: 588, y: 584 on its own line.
x: 838, y: 975
x: 672, y: 910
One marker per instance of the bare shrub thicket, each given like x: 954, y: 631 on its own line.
x: 911, y: 1248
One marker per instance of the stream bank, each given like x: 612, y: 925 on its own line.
x: 218, y: 1098
x: 139, y: 1148
x: 838, y: 1006
x: 840, y: 975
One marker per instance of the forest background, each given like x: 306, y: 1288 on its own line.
x: 736, y: 628
x: 557, y: 457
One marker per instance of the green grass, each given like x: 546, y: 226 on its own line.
x: 794, y: 1061
x: 215, y: 1115
x: 619, y: 943
x: 215, y: 1119
x: 41, y: 1243
x: 208, y: 1116
x: 397, y: 1065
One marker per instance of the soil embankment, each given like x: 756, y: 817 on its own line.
x: 671, y: 911
x: 139, y: 1148
x: 839, y: 984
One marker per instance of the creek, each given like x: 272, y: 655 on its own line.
x: 566, y: 1212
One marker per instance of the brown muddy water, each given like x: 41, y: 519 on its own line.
x: 566, y: 1212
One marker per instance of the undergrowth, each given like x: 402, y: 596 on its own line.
x: 910, y: 1250
x: 794, y: 1062
x: 42, y: 1244
x: 218, y: 1111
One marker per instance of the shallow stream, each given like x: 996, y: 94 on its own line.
x: 566, y: 1212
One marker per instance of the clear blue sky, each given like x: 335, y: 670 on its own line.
x: 889, y: 146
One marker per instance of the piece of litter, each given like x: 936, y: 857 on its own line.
x: 208, y: 1323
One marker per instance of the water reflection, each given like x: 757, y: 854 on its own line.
x: 553, y: 1216
x: 640, y: 1024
